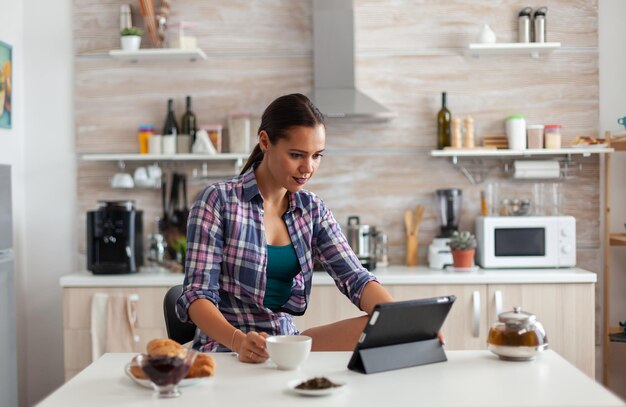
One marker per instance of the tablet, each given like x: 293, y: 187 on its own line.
x: 404, y: 330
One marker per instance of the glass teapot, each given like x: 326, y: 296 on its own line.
x: 517, y: 335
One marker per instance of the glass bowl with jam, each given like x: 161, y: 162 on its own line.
x: 166, y: 371
x: 517, y: 336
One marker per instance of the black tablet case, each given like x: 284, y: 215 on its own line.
x: 402, y: 334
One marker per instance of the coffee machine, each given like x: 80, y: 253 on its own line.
x: 449, y: 211
x: 114, y: 238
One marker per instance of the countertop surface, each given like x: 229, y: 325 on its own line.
x: 393, y: 275
x: 468, y: 378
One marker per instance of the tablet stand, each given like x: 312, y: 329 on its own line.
x: 391, y: 357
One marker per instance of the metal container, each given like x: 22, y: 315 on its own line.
x: 539, y: 23
x: 156, y: 249
x: 362, y: 240
x: 523, y: 28
x: 517, y: 336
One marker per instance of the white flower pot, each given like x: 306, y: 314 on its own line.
x: 130, y: 42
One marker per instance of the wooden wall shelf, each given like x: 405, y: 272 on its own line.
x: 618, y: 239
x: 618, y: 142
x: 612, y: 333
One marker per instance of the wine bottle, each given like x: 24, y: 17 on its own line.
x: 170, y: 127
x: 189, y: 122
x: 443, y: 124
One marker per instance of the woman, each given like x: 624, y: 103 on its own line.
x: 252, y: 240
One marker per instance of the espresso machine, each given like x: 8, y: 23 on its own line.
x: 449, y: 211
x: 114, y: 238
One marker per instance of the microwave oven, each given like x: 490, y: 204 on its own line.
x: 526, y: 241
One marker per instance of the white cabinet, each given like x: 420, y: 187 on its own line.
x: 565, y: 310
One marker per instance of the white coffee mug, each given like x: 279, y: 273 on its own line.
x: 288, y: 352
x: 154, y: 172
x: 155, y: 144
x: 122, y: 180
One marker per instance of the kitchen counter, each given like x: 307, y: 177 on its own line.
x: 397, y: 275
x: 468, y: 378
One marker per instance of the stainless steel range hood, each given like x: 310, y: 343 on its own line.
x: 334, y: 90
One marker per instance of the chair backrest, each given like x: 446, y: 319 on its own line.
x: 181, y: 332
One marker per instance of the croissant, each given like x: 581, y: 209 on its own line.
x: 203, y: 366
x: 163, y: 347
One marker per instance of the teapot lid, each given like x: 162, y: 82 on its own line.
x: 517, y: 317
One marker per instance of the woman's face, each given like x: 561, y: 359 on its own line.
x: 293, y: 160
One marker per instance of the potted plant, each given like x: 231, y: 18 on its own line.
x: 463, y: 247
x: 130, y: 38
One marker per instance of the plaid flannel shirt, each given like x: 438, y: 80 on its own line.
x: 227, y: 257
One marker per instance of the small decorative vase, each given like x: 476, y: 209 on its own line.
x: 463, y: 258
x: 130, y: 42
x: 486, y: 35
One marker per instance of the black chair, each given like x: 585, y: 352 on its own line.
x: 181, y: 332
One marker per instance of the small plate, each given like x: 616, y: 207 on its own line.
x: 146, y: 383
x: 315, y: 393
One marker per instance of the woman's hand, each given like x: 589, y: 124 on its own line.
x: 252, y: 348
x: 442, y: 339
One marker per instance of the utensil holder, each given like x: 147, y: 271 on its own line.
x: 411, y: 249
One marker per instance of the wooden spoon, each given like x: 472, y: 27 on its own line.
x: 419, y: 214
x: 408, y: 222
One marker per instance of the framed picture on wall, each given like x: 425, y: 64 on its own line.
x: 5, y: 85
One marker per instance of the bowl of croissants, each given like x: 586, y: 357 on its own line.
x: 203, y: 366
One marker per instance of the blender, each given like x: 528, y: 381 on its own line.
x: 449, y: 210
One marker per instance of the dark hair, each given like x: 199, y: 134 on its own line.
x: 285, y: 112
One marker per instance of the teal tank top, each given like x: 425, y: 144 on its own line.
x: 282, y: 267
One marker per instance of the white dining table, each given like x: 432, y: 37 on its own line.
x: 468, y: 378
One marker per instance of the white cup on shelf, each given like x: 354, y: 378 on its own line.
x: 155, y: 144
x: 169, y: 144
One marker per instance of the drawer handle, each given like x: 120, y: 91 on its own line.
x: 498, y: 300
x: 476, y: 318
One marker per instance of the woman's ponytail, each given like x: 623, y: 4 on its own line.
x: 256, y: 155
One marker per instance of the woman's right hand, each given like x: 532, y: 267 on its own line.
x: 252, y: 348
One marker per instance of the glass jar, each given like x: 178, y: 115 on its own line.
x: 144, y: 133
x: 552, y: 135
x: 517, y: 335
x: 382, y: 250
x: 239, y: 132
x: 535, y: 136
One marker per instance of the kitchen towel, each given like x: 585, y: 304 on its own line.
x: 99, y: 303
x: 113, y: 323
x: 544, y: 169
x: 121, y: 323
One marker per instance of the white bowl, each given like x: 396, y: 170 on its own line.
x: 288, y: 351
